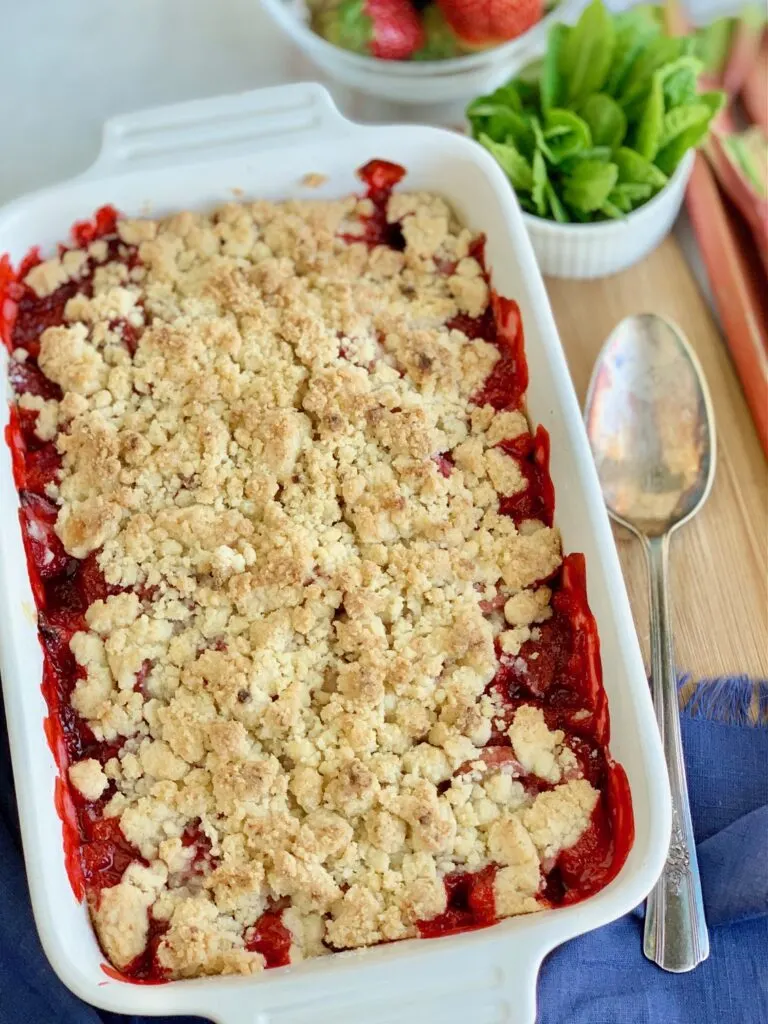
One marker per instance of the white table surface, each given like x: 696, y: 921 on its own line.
x: 68, y: 65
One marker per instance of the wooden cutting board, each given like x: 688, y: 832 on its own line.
x: 720, y: 560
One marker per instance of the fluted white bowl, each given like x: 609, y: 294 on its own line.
x: 597, y: 250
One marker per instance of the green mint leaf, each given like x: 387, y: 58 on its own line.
x: 670, y: 155
x: 541, y: 143
x: 520, y: 133
x: 588, y: 52
x: 511, y: 161
x: 602, y: 154
x: 612, y: 210
x: 559, y: 212
x: 581, y: 216
x: 607, y: 121
x: 638, y: 82
x: 629, y: 195
x: 589, y: 184
x: 678, y: 121
x: 634, y: 168
x: 540, y: 182
x: 566, y: 133
x: 650, y: 129
x: 502, y: 124
x: 715, y: 100
x: 551, y: 82
x: 679, y: 81
x: 634, y: 31
x: 505, y: 96
x: 634, y: 191
x: 529, y: 94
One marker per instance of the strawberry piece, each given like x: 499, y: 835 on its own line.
x: 271, y: 938
x: 444, y: 462
x: 481, y: 898
x: 42, y: 466
x: 387, y: 29
x: 44, y: 549
x: 202, y: 859
x: 91, y: 580
x: 103, y: 223
x: 470, y: 903
x: 585, y: 866
x: 35, y: 315
x: 482, y: 23
x: 28, y: 379
x: 105, y: 853
x: 493, y: 757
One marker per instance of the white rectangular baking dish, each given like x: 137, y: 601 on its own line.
x: 262, y: 143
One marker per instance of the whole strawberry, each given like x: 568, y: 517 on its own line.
x: 481, y: 23
x: 388, y: 29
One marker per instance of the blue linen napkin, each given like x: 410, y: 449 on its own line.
x: 600, y: 978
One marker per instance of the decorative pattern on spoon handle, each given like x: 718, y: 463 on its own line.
x: 676, y: 936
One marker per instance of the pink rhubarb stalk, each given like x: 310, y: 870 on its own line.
x: 740, y: 162
x: 737, y: 295
x: 744, y: 50
x: 754, y: 92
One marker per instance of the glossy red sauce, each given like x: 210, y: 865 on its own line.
x: 271, y: 938
x: 144, y: 969
x: 560, y: 671
x: 470, y: 904
x: 380, y: 178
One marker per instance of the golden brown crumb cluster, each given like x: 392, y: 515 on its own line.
x: 304, y: 583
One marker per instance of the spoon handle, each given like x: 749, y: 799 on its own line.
x: 676, y: 935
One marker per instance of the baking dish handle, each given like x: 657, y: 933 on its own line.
x: 218, y: 127
x: 495, y: 987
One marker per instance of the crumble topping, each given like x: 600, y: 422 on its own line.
x: 297, y: 668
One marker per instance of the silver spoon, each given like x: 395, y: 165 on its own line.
x: 651, y: 427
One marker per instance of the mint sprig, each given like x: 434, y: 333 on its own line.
x: 595, y: 129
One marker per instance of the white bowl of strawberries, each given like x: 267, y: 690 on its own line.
x: 420, y: 51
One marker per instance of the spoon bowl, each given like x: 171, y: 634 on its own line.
x: 649, y: 419
x: 651, y: 427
